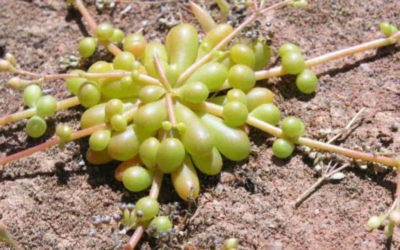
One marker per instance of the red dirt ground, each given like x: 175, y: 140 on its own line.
x: 48, y: 200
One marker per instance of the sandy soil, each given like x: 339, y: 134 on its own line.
x: 48, y: 200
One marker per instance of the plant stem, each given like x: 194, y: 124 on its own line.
x: 398, y: 185
x: 92, y: 26
x: 86, y: 15
x: 149, y: 80
x: 277, y: 132
x: 328, y: 171
x: 135, y: 238
x: 47, y: 77
x: 348, y: 152
x: 309, y: 191
x: 49, y: 143
x: 167, y: 85
x: 348, y: 126
x: 392, y: 207
x: 170, y: 109
x: 116, y: 74
x: 55, y: 140
x: 154, y: 192
x: 275, y: 6
x: 112, y: 48
x: 185, y: 75
x: 164, y: 79
x: 44, y: 76
x: 142, y: 77
x: 63, y: 104
x: 377, y: 43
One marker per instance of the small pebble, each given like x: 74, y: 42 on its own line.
x: 91, y: 232
x: 97, y: 220
x: 106, y: 219
x: 227, y: 177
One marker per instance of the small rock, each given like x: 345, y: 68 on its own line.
x: 337, y: 176
x: 276, y: 245
x: 366, y: 69
x: 395, y: 126
x: 249, y: 218
x: 91, y: 232
x: 227, y: 177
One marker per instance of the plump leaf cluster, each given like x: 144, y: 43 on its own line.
x: 162, y: 127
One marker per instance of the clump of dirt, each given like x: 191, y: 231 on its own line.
x: 49, y: 199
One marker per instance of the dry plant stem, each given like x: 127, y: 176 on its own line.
x: 381, y: 42
x: 348, y: 126
x: 277, y: 132
x: 154, y: 192
x: 328, y: 172
x: 275, y: 6
x: 63, y: 104
x: 309, y: 191
x: 226, y: 40
x: 317, y: 184
x: 92, y: 26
